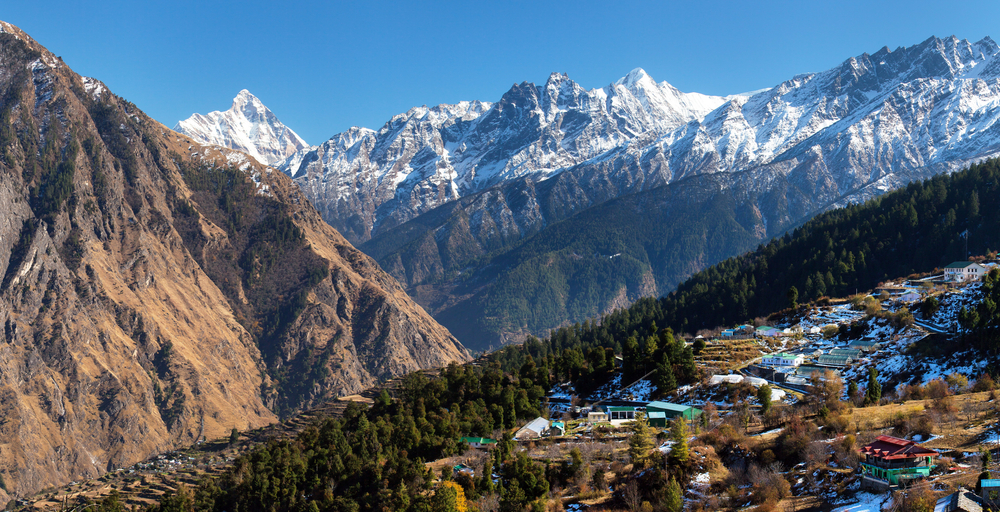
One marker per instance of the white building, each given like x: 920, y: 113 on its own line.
x: 783, y: 359
x: 961, y: 271
x: 532, y: 430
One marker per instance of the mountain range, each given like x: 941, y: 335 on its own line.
x: 155, y: 291
x: 558, y: 203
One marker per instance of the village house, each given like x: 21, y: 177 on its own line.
x: 557, y: 428
x: 533, y: 430
x: 891, y: 461
x: 765, y: 331
x: 783, y: 359
x: 962, y: 271
x: 597, y: 416
x: 963, y: 500
x: 742, y: 332
x: 482, y: 443
x: 619, y: 415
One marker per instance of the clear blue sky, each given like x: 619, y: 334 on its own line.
x: 325, y: 66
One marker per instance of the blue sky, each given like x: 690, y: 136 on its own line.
x: 325, y: 66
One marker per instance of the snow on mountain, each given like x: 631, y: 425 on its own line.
x: 425, y: 157
x: 849, y: 133
x: 247, y: 126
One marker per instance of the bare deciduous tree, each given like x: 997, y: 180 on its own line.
x: 632, y: 495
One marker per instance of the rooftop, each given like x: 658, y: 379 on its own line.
x: 962, y: 264
x: 537, y: 425
x: 480, y: 440
x: 667, y: 406
x: 782, y: 355
x: 890, y: 448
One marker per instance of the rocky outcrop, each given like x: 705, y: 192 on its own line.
x: 156, y: 291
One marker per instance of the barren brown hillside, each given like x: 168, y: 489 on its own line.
x: 155, y: 292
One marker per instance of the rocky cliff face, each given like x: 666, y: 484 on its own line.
x: 155, y: 291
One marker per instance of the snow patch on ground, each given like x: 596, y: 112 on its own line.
x: 867, y: 502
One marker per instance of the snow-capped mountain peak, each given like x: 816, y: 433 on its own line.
x: 870, y: 124
x: 247, y: 126
x: 634, y: 77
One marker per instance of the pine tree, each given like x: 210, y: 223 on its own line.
x: 486, y: 481
x: 678, y: 434
x: 640, y: 443
x: 764, y: 397
x: 674, y: 498
x: 793, y: 297
x: 873, y: 395
x: 664, y: 377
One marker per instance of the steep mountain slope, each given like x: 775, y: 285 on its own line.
x: 155, y: 291
x: 914, y: 229
x: 809, y: 144
x: 247, y: 126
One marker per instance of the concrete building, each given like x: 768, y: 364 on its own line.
x: 962, y: 271
x: 891, y: 461
x: 783, y: 359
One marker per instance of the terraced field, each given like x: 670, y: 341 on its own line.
x: 144, y: 483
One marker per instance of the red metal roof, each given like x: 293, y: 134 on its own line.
x: 888, y: 447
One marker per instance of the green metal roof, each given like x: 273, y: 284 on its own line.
x: 667, y: 406
x: 782, y: 356
x: 480, y: 440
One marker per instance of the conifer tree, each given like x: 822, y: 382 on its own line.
x: 640, y: 442
x: 664, y: 378
x: 793, y: 297
x: 873, y: 395
x: 678, y: 434
x: 674, y: 498
x: 486, y: 481
x: 764, y: 397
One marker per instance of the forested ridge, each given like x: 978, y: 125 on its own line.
x: 914, y: 229
x: 373, y: 458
